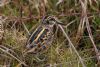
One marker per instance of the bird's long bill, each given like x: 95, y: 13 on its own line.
x: 59, y: 22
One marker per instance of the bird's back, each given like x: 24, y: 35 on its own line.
x: 40, y: 39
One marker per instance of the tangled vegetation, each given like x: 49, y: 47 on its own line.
x: 75, y: 45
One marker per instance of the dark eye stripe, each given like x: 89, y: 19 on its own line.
x: 48, y: 18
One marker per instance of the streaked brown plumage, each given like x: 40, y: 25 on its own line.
x: 42, y: 37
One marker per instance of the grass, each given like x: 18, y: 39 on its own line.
x: 60, y: 53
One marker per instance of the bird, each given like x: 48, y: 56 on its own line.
x: 42, y: 37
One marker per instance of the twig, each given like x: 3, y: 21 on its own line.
x: 26, y: 28
x: 6, y: 50
x: 84, y: 7
x: 13, y: 24
x: 71, y: 44
x: 21, y: 15
x: 91, y: 38
x: 66, y: 26
x: 26, y: 18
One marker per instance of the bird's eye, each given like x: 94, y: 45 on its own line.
x: 52, y: 19
x: 49, y: 20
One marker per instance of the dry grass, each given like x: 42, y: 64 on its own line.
x: 76, y: 45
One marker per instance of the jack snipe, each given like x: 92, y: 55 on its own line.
x: 43, y: 36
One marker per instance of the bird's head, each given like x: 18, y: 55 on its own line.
x: 50, y: 20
